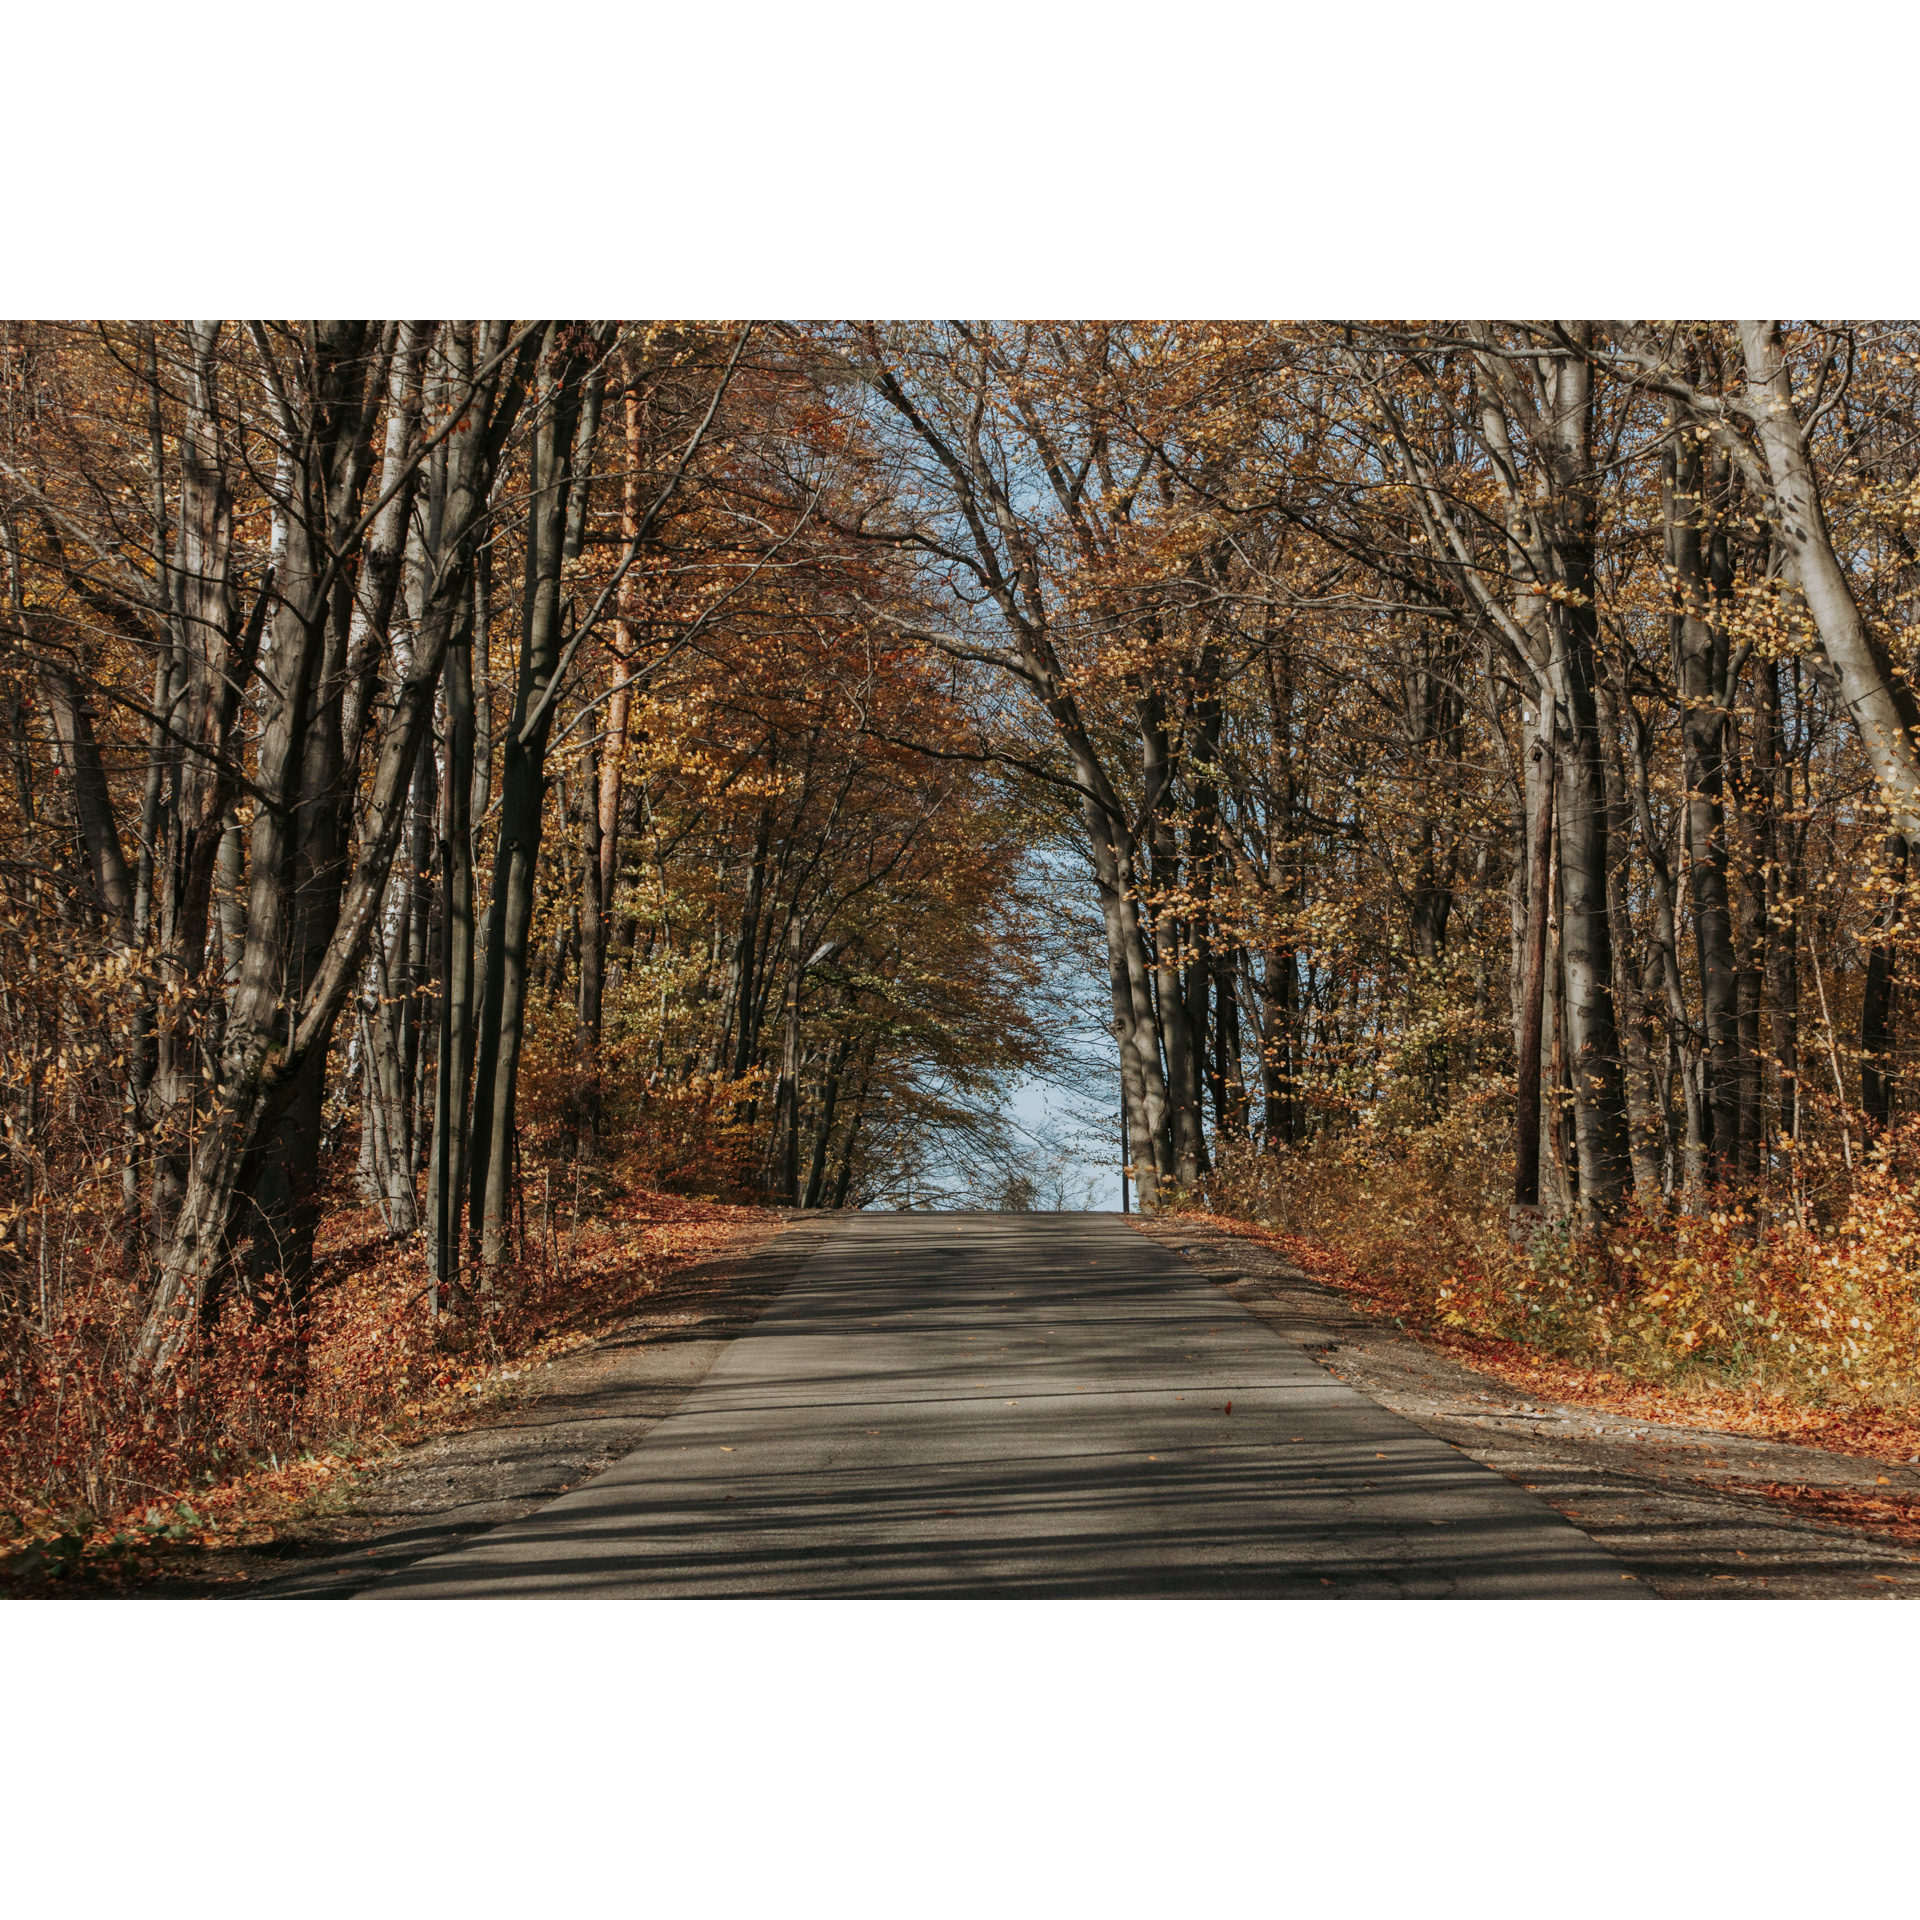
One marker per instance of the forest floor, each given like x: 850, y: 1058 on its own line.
x: 1698, y: 1511
x: 546, y: 1425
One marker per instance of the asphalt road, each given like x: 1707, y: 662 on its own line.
x: 1025, y: 1405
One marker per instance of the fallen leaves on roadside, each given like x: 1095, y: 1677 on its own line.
x: 1848, y: 1507
x: 373, y: 1377
x: 1860, y: 1430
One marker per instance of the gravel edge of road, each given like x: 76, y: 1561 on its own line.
x: 1660, y: 1498
x: 567, y: 1421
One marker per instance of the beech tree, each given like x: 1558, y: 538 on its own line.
x: 443, y: 754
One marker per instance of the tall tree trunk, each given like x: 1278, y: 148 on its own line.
x: 1749, y: 793
x: 1279, y: 987
x: 786, y: 1098
x: 590, y: 993
x: 419, y: 1001
x: 1646, y: 1120
x: 398, y: 967
x: 79, y: 752
x: 523, y: 795
x: 1683, y: 1035
x: 1570, y: 518
x: 270, y: 1037
x: 1533, y: 977
x: 745, y: 962
x: 1136, y: 1032
x: 326, y: 449
x: 843, y: 1171
x: 1700, y: 658
x: 1174, y: 1018
x: 1783, y: 883
x: 1228, y: 1076
x: 1553, y: 634
x: 823, y: 1124
x: 453, y: 1071
x: 613, y: 749
x: 212, y: 661
x: 1880, y: 701
x: 1876, y: 1005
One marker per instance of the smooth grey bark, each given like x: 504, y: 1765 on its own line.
x: 1531, y: 975
x: 209, y: 663
x: 1559, y: 1177
x: 1174, y: 1014
x: 419, y: 1007
x: 1135, y: 1026
x: 326, y: 386
x: 1279, y: 990
x: 399, y: 962
x: 843, y: 1172
x: 1646, y: 1121
x: 453, y: 1071
x: 1774, y: 769
x: 1880, y: 702
x: 1227, y: 1075
x: 466, y: 736
x: 1207, y: 1014
x: 1700, y: 649
x: 232, y: 871
x: 613, y: 750
x: 1563, y: 431
x: 1535, y: 393
x: 1431, y: 718
x: 79, y: 751
x: 269, y: 1040
x: 392, y: 1022
x: 1876, y: 1002
x: 742, y: 969
x: 1751, y: 836
x: 563, y: 367
x: 823, y: 1120
x: 157, y: 741
x: 595, y: 915
x: 786, y: 1096
x: 1684, y: 1035
x: 1782, y: 477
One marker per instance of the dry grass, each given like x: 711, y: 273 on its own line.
x: 268, y: 1412
x: 1722, y: 1321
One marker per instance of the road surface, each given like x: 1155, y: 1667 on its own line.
x: 1025, y: 1405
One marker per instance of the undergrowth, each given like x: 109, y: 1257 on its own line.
x: 270, y: 1406
x: 1815, y: 1307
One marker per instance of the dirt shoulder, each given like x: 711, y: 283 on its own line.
x: 1696, y: 1513
x: 553, y: 1425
